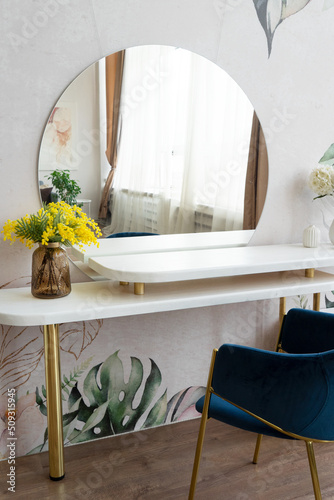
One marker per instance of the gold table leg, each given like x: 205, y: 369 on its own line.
x: 54, y: 403
x: 139, y: 288
x: 309, y: 273
x: 282, y: 312
x: 282, y: 309
x: 316, y: 301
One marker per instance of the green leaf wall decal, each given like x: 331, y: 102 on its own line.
x: 109, y: 405
x: 112, y: 408
x: 328, y: 157
x: 272, y: 12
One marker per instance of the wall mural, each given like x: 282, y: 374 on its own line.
x: 272, y: 13
x: 105, y: 405
x: 112, y: 407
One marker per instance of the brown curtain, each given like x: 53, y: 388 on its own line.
x: 114, y: 75
x: 257, y: 176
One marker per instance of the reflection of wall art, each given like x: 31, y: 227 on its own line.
x: 272, y: 12
x: 57, y: 146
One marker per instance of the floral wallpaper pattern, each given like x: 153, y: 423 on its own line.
x: 272, y: 13
x: 106, y: 405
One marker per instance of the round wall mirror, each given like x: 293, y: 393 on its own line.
x: 156, y: 139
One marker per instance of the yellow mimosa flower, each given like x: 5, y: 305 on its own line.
x: 55, y: 222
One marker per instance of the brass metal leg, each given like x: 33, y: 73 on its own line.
x: 54, y: 403
x: 257, y: 448
x: 313, y: 469
x: 309, y: 273
x: 123, y: 283
x: 316, y: 301
x: 198, y: 454
x: 139, y: 288
x: 282, y: 312
x: 282, y: 308
x: 201, y: 433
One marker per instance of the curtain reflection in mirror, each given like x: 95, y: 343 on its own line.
x: 257, y: 176
x: 183, y: 154
x: 114, y: 65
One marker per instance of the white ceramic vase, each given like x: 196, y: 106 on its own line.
x: 311, y: 237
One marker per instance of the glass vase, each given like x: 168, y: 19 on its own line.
x: 50, y: 272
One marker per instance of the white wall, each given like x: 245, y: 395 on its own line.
x: 44, y: 45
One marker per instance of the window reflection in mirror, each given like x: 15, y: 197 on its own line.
x: 160, y: 140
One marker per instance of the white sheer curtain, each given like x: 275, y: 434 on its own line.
x: 183, y: 153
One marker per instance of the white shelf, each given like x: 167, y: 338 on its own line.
x: 106, y: 299
x: 210, y: 262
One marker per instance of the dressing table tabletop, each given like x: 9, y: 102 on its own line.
x: 106, y: 299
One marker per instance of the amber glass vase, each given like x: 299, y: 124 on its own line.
x: 50, y: 272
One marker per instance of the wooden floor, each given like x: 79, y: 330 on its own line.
x: 156, y: 465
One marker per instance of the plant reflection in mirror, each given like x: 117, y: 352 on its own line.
x: 66, y: 188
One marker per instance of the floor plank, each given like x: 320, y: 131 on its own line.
x: 156, y: 464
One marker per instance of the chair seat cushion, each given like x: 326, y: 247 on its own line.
x: 230, y: 414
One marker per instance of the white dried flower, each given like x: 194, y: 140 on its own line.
x: 321, y: 180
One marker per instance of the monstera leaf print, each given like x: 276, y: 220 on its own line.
x: 109, y: 405
x: 272, y: 12
x: 329, y: 300
x: 182, y: 404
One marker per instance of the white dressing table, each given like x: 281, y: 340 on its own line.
x: 198, y: 275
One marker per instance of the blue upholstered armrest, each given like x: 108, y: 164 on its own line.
x: 294, y: 392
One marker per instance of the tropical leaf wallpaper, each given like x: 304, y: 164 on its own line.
x: 272, y: 13
x: 98, y: 401
x: 107, y: 405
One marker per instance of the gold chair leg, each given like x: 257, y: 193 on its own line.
x: 202, y: 428
x: 198, y: 454
x: 257, y: 448
x: 313, y: 469
x: 54, y: 403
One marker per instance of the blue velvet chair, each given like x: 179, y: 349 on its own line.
x: 287, y: 394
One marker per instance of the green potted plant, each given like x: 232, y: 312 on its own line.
x: 66, y: 188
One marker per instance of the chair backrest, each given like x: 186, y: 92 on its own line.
x: 293, y: 391
x: 305, y: 331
